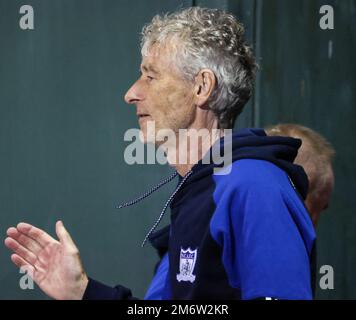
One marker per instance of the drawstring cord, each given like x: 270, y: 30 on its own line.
x: 165, y: 207
x: 149, y: 192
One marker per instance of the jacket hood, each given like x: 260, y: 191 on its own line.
x: 255, y: 144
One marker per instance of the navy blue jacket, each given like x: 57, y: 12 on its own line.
x: 241, y: 235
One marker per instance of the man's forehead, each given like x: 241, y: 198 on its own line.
x: 158, y: 57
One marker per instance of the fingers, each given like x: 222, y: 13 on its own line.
x: 24, y: 240
x: 23, y: 264
x: 21, y: 251
x: 36, y: 234
x: 64, y: 237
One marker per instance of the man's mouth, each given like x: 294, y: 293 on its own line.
x: 142, y: 115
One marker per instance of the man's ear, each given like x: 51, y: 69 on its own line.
x: 205, y: 82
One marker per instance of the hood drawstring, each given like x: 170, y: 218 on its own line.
x: 165, y: 207
x: 149, y: 192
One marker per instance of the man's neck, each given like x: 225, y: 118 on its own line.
x: 190, y: 149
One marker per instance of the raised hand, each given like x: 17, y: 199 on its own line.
x: 54, y: 265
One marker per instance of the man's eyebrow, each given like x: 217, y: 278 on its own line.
x: 149, y: 68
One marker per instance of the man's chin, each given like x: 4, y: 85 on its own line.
x: 147, y: 137
x: 151, y: 133
x: 147, y: 131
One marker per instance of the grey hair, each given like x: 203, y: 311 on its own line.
x: 212, y: 39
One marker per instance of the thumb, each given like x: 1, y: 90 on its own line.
x: 63, y: 235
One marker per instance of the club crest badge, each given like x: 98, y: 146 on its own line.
x: 187, y: 261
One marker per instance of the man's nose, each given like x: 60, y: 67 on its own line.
x: 133, y: 95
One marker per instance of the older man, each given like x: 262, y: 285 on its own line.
x: 241, y: 233
x: 315, y: 156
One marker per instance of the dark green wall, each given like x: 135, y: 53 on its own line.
x: 62, y: 121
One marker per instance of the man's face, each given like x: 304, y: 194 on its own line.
x: 318, y: 200
x: 318, y: 196
x: 161, y: 94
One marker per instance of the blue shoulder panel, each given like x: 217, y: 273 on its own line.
x: 264, y: 230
